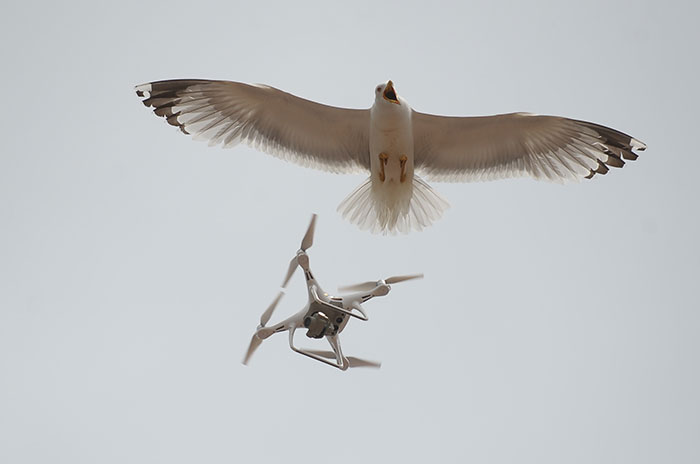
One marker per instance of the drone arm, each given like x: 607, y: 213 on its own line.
x: 290, y: 323
x: 340, y: 364
x: 356, y: 305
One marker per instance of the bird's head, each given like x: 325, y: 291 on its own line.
x: 386, y: 93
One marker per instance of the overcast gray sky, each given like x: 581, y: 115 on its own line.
x: 554, y: 324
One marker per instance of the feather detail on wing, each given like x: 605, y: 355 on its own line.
x: 227, y: 113
x: 455, y: 149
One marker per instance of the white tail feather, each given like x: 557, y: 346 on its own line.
x: 390, y: 209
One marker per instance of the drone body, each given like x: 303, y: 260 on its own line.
x: 323, y: 315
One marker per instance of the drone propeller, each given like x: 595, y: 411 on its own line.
x: 290, y: 272
x: 268, y: 312
x: 308, y: 239
x: 254, y: 344
x: 369, y: 285
x: 359, y: 362
x: 306, y: 243
x: 352, y: 360
x: 256, y: 341
x: 397, y: 279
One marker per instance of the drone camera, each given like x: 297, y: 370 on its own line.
x: 318, y: 324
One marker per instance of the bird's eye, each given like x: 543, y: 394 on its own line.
x: 379, y: 89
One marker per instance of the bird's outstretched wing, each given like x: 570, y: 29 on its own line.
x: 227, y: 113
x: 454, y: 149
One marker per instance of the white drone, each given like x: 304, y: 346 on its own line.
x: 323, y: 315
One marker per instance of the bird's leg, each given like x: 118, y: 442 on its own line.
x: 403, y: 160
x: 383, y: 158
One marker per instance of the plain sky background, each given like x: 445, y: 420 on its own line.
x: 555, y: 324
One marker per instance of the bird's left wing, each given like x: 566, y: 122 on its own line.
x: 227, y: 113
x: 456, y: 149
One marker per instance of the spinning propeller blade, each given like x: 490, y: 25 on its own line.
x: 363, y: 287
x: 268, y: 312
x: 397, y: 279
x: 359, y: 362
x: 256, y: 341
x: 254, y: 344
x: 306, y: 243
x: 290, y: 272
x: 352, y: 360
x: 369, y: 285
x: 308, y: 239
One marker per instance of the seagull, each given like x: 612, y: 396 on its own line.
x: 390, y: 141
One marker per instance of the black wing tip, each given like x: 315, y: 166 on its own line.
x: 161, y: 96
x: 143, y: 90
x: 637, y: 144
x: 617, y: 147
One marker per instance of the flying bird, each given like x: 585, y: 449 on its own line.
x: 390, y: 141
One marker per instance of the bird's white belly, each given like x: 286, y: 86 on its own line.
x: 392, y: 199
x: 391, y: 153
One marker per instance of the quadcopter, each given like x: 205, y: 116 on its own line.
x: 323, y: 315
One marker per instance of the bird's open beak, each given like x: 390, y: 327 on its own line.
x: 390, y: 93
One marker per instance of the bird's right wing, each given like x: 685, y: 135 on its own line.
x: 227, y: 113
